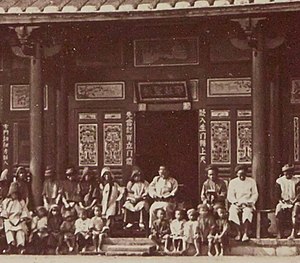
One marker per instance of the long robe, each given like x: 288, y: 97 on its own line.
x: 110, y: 194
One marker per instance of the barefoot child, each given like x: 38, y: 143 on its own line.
x: 177, y: 231
x: 160, y: 230
x: 39, y: 231
x: 219, y: 238
x: 67, y: 230
x: 192, y: 231
x: 82, y: 230
x: 99, y: 231
x: 54, y: 222
x: 206, y: 225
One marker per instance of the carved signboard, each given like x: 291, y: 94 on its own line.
x: 112, y: 136
x: 88, y: 144
x: 166, y: 52
x: 162, y: 91
x: 20, y: 97
x: 229, y: 87
x: 220, y: 142
x: 100, y: 91
x: 244, y: 142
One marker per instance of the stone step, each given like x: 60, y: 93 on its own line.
x: 126, y: 253
x: 128, y: 241
x: 140, y: 248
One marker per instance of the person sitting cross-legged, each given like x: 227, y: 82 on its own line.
x: 287, y: 187
x: 242, y: 195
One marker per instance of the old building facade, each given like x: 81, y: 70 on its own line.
x: 185, y: 86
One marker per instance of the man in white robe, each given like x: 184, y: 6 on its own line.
x: 242, y: 195
x: 162, y: 190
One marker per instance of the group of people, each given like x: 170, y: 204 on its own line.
x: 79, y: 211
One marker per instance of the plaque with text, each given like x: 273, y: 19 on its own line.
x: 165, y: 91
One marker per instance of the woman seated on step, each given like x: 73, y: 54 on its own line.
x: 136, y: 200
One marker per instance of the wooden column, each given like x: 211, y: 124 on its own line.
x: 260, y: 140
x: 61, y: 124
x: 36, y: 124
x: 274, y: 115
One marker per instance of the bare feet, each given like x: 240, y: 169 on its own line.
x: 238, y: 237
x: 245, y: 238
x: 197, y: 254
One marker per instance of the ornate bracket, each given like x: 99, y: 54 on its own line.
x: 256, y: 35
x: 28, y: 37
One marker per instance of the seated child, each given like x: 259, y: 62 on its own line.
x: 219, y: 236
x: 15, y: 214
x: 191, y: 231
x: 39, y: 232
x: 206, y: 224
x: 160, y: 230
x: 67, y: 230
x: 54, y: 222
x: 177, y: 231
x: 99, y: 231
x: 82, y: 231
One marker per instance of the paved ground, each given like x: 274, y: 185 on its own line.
x: 94, y: 259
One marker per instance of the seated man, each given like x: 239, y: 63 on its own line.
x: 162, y: 189
x: 214, y: 189
x: 286, y: 187
x: 242, y: 195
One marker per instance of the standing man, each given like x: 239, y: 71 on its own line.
x: 242, y: 195
x: 162, y: 190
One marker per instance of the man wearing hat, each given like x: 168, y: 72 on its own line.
x: 21, y: 178
x: 111, y: 194
x: 15, y: 213
x: 69, y: 192
x: 50, y: 192
x: 137, y: 192
x: 286, y: 186
x: 242, y: 195
x: 86, y: 190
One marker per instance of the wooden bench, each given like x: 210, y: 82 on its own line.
x: 259, y: 214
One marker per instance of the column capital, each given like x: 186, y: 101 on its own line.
x: 256, y: 33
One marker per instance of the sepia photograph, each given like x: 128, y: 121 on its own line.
x: 156, y: 130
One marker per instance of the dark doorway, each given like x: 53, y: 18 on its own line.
x: 170, y: 138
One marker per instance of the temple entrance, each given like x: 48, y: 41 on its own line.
x: 169, y: 138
